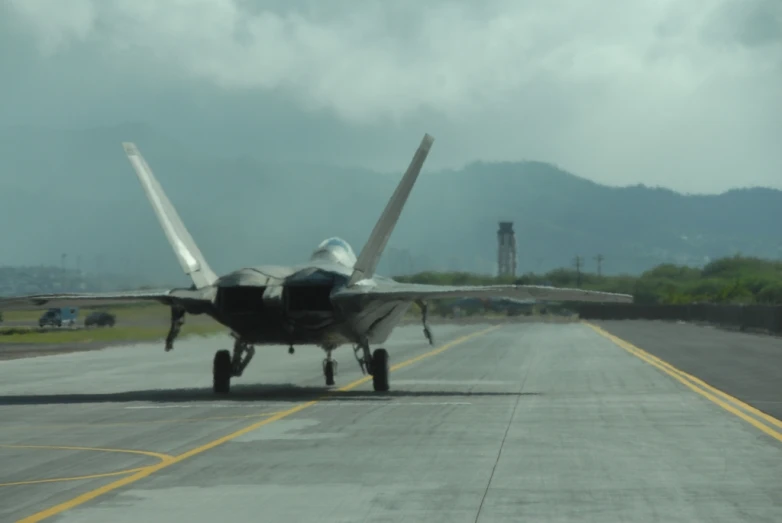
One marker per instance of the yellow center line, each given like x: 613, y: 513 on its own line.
x: 148, y: 471
x: 704, y: 389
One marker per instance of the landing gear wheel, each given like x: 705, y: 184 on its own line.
x: 328, y: 372
x: 221, y: 372
x: 380, y: 370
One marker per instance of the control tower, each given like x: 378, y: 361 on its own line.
x: 506, y: 251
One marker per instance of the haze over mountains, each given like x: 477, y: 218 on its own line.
x: 74, y: 192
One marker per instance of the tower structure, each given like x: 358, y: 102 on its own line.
x: 506, y: 251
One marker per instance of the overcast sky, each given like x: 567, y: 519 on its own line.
x: 680, y: 93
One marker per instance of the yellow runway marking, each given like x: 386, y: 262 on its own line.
x: 148, y: 471
x: 716, y: 396
x: 162, y: 457
x: 73, y: 478
x: 140, y: 422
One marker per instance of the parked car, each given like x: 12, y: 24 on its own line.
x: 100, y: 319
x: 58, y: 317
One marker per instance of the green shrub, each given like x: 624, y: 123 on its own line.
x: 734, y: 279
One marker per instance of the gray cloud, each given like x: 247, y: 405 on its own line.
x: 683, y: 94
x: 756, y: 23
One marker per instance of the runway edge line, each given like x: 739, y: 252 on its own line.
x: 714, y: 395
x: 148, y: 471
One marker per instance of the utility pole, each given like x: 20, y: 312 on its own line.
x: 578, y: 261
x: 599, y: 259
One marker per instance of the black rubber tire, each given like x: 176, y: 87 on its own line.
x: 221, y: 372
x: 328, y: 372
x: 380, y: 370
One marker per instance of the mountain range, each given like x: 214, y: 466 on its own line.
x: 73, y: 192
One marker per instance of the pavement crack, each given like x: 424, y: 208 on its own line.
x: 502, y: 443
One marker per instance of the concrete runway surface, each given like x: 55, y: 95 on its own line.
x: 525, y: 422
x: 747, y: 366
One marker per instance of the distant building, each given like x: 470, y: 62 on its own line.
x: 506, y: 250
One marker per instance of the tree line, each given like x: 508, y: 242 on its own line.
x: 730, y: 280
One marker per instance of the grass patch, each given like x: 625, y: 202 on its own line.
x: 18, y: 335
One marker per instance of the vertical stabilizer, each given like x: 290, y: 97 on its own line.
x: 373, y: 250
x: 187, y: 252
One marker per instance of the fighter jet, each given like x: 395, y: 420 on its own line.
x: 333, y: 299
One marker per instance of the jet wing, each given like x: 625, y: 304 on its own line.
x: 413, y: 292
x: 166, y: 296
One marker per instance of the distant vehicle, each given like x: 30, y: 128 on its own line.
x: 101, y: 319
x: 58, y: 317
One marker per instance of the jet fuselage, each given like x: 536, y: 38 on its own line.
x: 273, y: 305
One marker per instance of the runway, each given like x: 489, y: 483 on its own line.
x: 747, y: 366
x: 511, y: 422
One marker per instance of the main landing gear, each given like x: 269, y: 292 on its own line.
x: 177, y: 320
x: 225, y: 366
x: 374, y: 364
x: 329, y: 368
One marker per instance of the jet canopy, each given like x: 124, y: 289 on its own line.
x: 335, y: 250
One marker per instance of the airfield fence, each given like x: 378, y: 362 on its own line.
x: 767, y: 318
